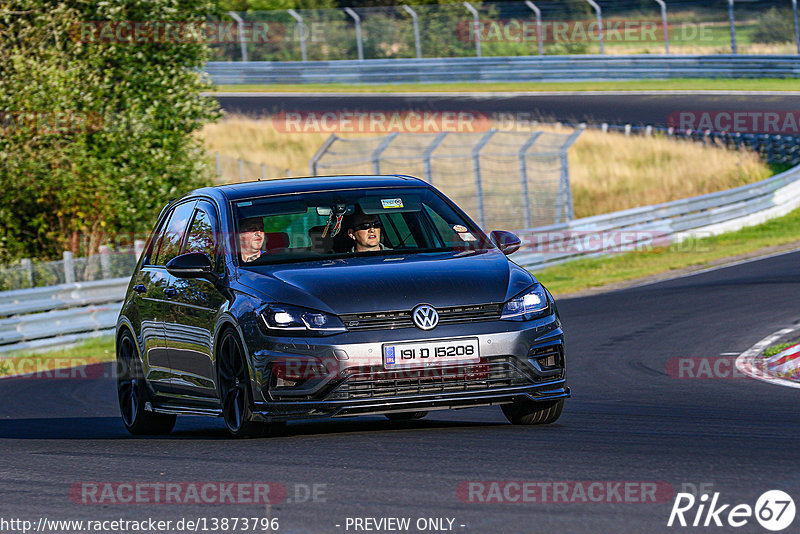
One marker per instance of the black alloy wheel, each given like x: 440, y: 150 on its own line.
x: 132, y: 393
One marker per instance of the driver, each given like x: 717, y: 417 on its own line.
x: 251, y: 239
x: 366, y: 232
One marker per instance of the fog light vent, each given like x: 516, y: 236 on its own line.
x: 548, y: 358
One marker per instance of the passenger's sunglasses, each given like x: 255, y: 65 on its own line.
x: 368, y: 225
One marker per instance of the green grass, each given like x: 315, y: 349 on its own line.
x: 590, y: 273
x: 94, y: 350
x: 686, y: 84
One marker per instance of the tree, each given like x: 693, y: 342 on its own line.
x: 97, y: 123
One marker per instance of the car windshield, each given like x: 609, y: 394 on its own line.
x: 341, y: 224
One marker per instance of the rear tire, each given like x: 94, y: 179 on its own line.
x: 132, y: 393
x: 529, y: 412
x: 235, y: 393
x: 405, y: 416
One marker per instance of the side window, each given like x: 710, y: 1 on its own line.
x: 171, y: 242
x: 203, y: 232
x: 155, y: 243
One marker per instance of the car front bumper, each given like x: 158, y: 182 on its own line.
x: 355, y: 382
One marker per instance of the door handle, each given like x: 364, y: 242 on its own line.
x: 170, y: 291
x: 139, y: 288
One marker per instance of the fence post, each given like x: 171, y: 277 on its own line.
x: 28, y: 268
x: 312, y: 163
x: 476, y: 27
x: 263, y: 172
x: 376, y: 154
x: 539, y: 35
x: 415, y: 21
x: 300, y: 28
x: 105, y: 261
x: 241, y: 169
x: 663, y: 5
x: 733, y: 26
x: 69, y: 268
x: 523, y: 173
x: 218, y: 159
x: 564, y: 198
x: 601, y: 34
x: 239, y: 24
x: 357, y: 19
x: 796, y: 25
x: 476, y: 165
x: 426, y: 156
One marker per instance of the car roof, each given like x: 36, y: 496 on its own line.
x: 283, y: 186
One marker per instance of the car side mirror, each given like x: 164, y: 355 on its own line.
x: 192, y: 265
x: 507, y: 242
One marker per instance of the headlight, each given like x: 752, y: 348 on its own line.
x: 293, y: 319
x: 528, y: 305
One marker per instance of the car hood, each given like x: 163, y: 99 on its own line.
x: 394, y: 282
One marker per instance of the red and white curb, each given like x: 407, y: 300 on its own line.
x: 782, y: 369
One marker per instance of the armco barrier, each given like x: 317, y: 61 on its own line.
x: 710, y: 214
x: 43, y: 316
x: 504, y: 69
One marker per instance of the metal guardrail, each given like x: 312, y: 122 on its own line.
x: 46, y: 316
x: 670, y: 222
x: 504, y: 69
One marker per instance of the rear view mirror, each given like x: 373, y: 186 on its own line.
x: 507, y: 242
x: 192, y: 265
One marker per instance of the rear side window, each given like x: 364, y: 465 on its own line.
x: 202, y: 233
x: 171, y: 242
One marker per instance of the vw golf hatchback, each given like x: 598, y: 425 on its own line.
x: 337, y: 296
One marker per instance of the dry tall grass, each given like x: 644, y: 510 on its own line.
x: 609, y: 171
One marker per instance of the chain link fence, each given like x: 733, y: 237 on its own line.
x: 469, y: 29
x: 508, y: 180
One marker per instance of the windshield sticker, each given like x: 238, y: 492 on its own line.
x: 458, y: 228
x: 467, y: 236
x: 389, y: 203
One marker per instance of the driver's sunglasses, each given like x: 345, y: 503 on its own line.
x: 368, y: 225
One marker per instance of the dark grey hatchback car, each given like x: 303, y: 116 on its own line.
x: 337, y: 296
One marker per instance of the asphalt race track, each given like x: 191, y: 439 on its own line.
x: 634, y: 108
x: 628, y: 420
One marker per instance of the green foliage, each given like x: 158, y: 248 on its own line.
x: 775, y: 26
x: 96, y: 134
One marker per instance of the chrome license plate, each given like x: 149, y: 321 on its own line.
x: 430, y: 353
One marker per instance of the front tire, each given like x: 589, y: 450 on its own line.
x: 132, y: 393
x: 528, y: 412
x: 234, y: 390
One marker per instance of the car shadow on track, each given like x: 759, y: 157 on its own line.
x: 207, y: 428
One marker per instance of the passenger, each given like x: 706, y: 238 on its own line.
x: 366, y: 232
x: 251, y: 238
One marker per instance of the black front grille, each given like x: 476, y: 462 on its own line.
x: 378, y: 382
x: 402, y: 319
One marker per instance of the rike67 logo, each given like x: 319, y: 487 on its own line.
x: 774, y: 510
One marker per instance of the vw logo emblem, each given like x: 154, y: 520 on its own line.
x: 425, y: 317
